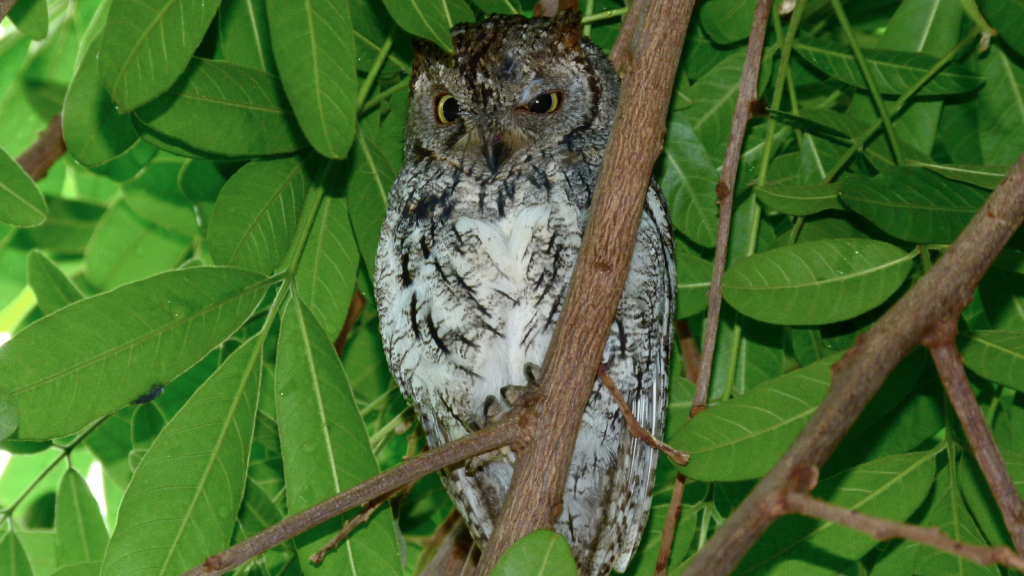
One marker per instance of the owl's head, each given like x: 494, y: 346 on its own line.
x: 512, y: 86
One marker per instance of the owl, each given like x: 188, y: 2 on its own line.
x: 503, y: 145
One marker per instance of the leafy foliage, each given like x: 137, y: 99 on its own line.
x: 176, y: 284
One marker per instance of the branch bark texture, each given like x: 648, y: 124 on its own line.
x: 725, y: 189
x: 944, y: 290
x: 5, y: 7
x: 46, y: 150
x: 600, y: 274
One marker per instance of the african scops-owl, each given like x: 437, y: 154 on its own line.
x: 504, y: 142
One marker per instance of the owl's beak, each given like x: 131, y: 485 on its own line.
x: 495, y: 151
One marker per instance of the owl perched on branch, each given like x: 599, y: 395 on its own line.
x: 504, y: 142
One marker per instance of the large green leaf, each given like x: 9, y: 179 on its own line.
x: 998, y: 356
x: 895, y: 72
x: 325, y: 446
x: 147, y: 44
x: 31, y: 17
x: 1000, y: 107
x: 154, y: 195
x: 743, y: 438
x: 890, y: 488
x: 52, y: 288
x: 21, y: 204
x: 12, y: 554
x: 316, y: 51
x: 126, y: 248
x: 539, y: 553
x: 817, y: 282
x: 369, y: 183
x: 50, y: 67
x: 987, y: 177
x: 727, y: 21
x: 799, y: 200
x: 688, y: 179
x: 257, y: 212
x: 8, y: 414
x: 430, y: 19
x: 80, y: 569
x: 326, y: 277
x: 951, y: 516
x: 243, y: 34
x: 693, y: 280
x: 173, y: 320
x: 913, y: 204
x: 714, y: 100
x: 225, y: 109
x: 182, y: 502
x: 94, y: 132
x: 81, y: 534
x: 67, y: 229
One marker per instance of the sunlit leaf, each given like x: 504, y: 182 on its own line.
x: 21, y: 204
x: 81, y: 534
x: 12, y: 554
x: 8, y: 415
x: 52, y: 288
x: 31, y: 17
x: 175, y: 319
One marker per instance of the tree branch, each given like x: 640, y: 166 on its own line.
x: 5, y: 7
x: 942, y: 344
x: 513, y: 428
x: 570, y: 367
x: 44, y: 152
x: 688, y: 346
x: 882, y: 529
x: 725, y: 188
x: 668, y: 532
x: 857, y: 377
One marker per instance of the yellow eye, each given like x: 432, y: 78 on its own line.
x: 447, y: 109
x: 545, y: 103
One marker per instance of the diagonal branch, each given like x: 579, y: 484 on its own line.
x: 857, y: 377
x: 5, y: 7
x: 942, y: 344
x: 649, y: 66
x: 882, y: 530
x: 726, y: 186
x: 44, y: 152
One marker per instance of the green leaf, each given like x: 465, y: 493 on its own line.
x: 66, y: 230
x: 817, y: 282
x: 225, y: 109
x: 147, y: 44
x: 913, y: 204
x: 714, y: 100
x: 81, y: 534
x: 539, y: 553
x: 998, y: 356
x: 183, y: 500
x: 173, y: 319
x: 325, y: 446
x: 94, y: 132
x: 257, y: 212
x: 368, y: 187
x: 895, y: 72
x: 693, y: 279
x: 646, y: 556
x: 1000, y: 106
x: 743, y: 438
x: 50, y: 67
x: 52, y: 288
x: 688, y: 178
x: 800, y: 200
x: 8, y: 415
x: 147, y: 422
x: 21, y: 204
x: 430, y: 19
x: 126, y: 165
x: 987, y: 177
x: 154, y: 195
x: 326, y: 277
x: 951, y: 516
x: 12, y: 555
x: 243, y: 34
x: 1008, y: 17
x: 258, y: 511
x: 499, y: 6
x: 80, y: 569
x: 316, y: 50
x: 890, y: 488
x: 31, y: 17
x: 126, y: 248
x: 727, y: 21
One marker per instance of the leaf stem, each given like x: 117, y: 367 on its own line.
x: 587, y: 11
x: 607, y: 14
x: 371, y: 76
x: 376, y: 100
x: 394, y: 59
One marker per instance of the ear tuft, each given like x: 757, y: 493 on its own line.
x: 568, y: 27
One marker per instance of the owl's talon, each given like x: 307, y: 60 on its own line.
x: 512, y: 394
x: 532, y: 372
x: 492, y: 409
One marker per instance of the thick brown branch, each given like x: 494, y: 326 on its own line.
x: 5, y: 7
x: 37, y: 160
x: 954, y: 379
x: 668, y: 533
x: 513, y: 428
x: 599, y: 276
x: 688, y: 346
x: 856, y: 378
x: 882, y: 529
x: 746, y: 98
x: 678, y: 456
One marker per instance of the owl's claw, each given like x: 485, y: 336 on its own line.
x: 532, y: 372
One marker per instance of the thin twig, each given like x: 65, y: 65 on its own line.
x: 432, y: 545
x: 942, y: 344
x: 725, y: 188
x: 584, y: 322
x: 354, y: 309
x: 668, y: 533
x: 856, y: 378
x: 882, y: 530
x: 514, y: 427
x: 678, y: 456
x: 688, y: 346
x: 45, y: 151
x: 349, y: 526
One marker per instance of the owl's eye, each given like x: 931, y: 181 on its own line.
x: 545, y: 103
x: 447, y: 109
